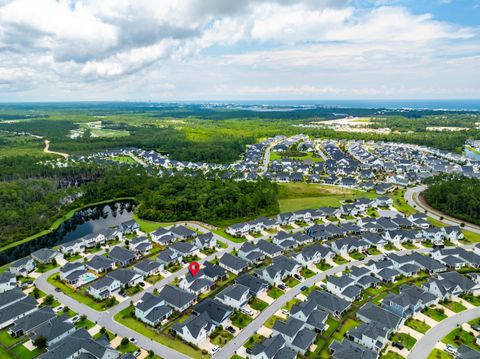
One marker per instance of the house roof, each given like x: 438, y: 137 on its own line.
x: 216, y: 310
x: 100, y: 262
x: 124, y: 276
x: 235, y: 292
x: 176, y: 297
x: 234, y: 262
x: 255, y: 284
x: 121, y: 254
x: 328, y: 301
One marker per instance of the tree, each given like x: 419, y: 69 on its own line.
x: 40, y: 342
x: 49, y: 299
x: 124, y: 341
x: 36, y: 293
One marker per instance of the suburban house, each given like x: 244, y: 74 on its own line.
x: 8, y: 281
x: 122, y: 256
x: 152, y: 310
x: 100, y: 264
x: 104, y: 288
x: 22, y: 266
x: 76, y: 274
x: 177, y: 298
x: 235, y: 296
x: 46, y: 255
x: 233, y: 264
x: 14, y: 304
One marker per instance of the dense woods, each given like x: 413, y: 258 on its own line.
x: 456, y: 196
x: 31, y: 205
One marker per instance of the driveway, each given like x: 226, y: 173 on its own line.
x: 425, y: 345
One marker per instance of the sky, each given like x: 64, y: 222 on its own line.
x: 185, y: 50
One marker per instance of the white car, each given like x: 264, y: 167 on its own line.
x: 247, y: 311
x: 286, y: 312
x: 214, y: 350
x: 75, y: 319
x: 451, y: 349
x: 58, y: 309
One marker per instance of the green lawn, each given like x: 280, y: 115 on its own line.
x: 417, y: 325
x: 240, y: 320
x: 125, y: 317
x: 454, y: 306
x: 253, y: 340
x: 291, y: 282
x: 87, y: 324
x: 275, y: 293
x: 459, y: 336
x: 128, y: 348
x: 108, y: 334
x: 407, y: 340
x: 339, y: 260
x: 220, y: 337
x: 222, y: 233
x: 42, y: 268
x: 80, y: 295
x: 391, y: 355
x: 271, y: 321
x: 258, y: 304
x: 357, y: 255
x: 435, y: 314
x: 439, y: 354
x: 297, y: 196
x: 290, y: 304
x: 21, y: 352
x: 323, y: 266
x: 307, y: 273
x: 408, y: 245
x: 400, y: 203
x: 153, y: 278
x: 390, y: 247
x: 7, y: 340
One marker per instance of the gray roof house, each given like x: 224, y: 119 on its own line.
x: 152, y: 309
x: 14, y: 304
x: 235, y: 296
x: 233, y: 264
x: 54, y: 330
x: 100, y: 264
x: 45, y: 255
x: 177, y: 298
x: 22, y: 266
x: 329, y: 302
x: 122, y: 256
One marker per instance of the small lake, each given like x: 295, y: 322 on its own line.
x: 83, y: 222
x: 472, y: 154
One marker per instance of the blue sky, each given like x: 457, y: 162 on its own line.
x: 54, y: 50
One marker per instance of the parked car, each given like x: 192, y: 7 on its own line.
x: 298, y: 276
x: 214, y: 350
x: 75, y: 319
x: 132, y: 340
x: 476, y: 327
x: 231, y: 330
x: 58, y: 290
x: 282, y: 286
x: 142, y: 284
x: 304, y: 288
x: 137, y: 353
x: 398, y: 345
x: 450, y: 349
x: 249, y: 351
x: 247, y: 311
x: 58, y: 309
x: 286, y: 312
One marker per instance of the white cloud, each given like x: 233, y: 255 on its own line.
x: 216, y: 48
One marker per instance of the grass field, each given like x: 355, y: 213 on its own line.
x: 391, y: 355
x: 459, y: 336
x: 454, y: 306
x: 407, y: 340
x: 417, y: 325
x: 307, y: 156
x: 435, y: 314
x: 297, y: 196
x: 439, y: 354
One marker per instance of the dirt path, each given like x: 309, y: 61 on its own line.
x: 46, y: 150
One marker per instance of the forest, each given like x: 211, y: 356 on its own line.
x: 32, y: 204
x: 457, y: 196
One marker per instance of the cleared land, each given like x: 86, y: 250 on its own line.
x: 297, y: 196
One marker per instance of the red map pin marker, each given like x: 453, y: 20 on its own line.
x: 194, y: 268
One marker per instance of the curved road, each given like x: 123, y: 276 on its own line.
x: 412, y: 197
x: 47, y: 150
x: 425, y: 345
x: 231, y: 347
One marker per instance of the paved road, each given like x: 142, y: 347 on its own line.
x: 105, y: 319
x: 412, y: 197
x: 425, y: 345
x: 319, y: 149
x: 266, y: 156
x: 229, y: 350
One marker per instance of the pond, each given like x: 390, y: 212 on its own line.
x: 83, y: 222
x: 472, y: 155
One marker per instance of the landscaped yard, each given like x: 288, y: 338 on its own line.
x: 220, y: 337
x: 80, y: 295
x: 454, y: 306
x: 459, y: 336
x: 439, y: 354
x: 240, y: 320
x: 258, y: 304
x: 307, y: 273
x: 153, y: 278
x: 290, y: 304
x: 271, y: 321
x: 409, y: 245
x: 253, y: 340
x: 417, y: 325
x: 275, y: 293
x: 125, y: 317
x: 339, y: 260
x: 291, y: 282
x: 473, y: 299
x: 435, y: 313
x: 391, y: 355
x: 357, y: 255
x: 407, y: 340
x: 323, y: 266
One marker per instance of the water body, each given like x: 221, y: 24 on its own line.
x: 83, y: 222
x: 472, y: 154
